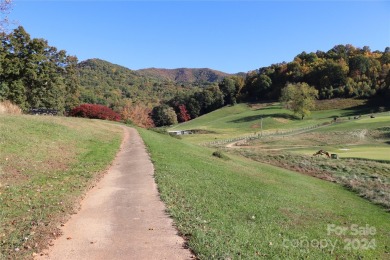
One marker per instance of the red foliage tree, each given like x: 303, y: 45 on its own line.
x: 183, y: 115
x: 95, y: 112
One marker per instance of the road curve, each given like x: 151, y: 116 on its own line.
x: 122, y: 217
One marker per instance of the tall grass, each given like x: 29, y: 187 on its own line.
x: 7, y: 107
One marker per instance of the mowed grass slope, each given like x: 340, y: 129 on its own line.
x: 46, y: 164
x: 245, y: 119
x: 242, y: 209
x: 240, y: 119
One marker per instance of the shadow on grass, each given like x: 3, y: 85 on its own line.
x: 357, y: 111
x: 372, y: 106
x: 258, y: 117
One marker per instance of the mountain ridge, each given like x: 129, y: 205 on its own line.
x: 178, y: 75
x: 185, y: 75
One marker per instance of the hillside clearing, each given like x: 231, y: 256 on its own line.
x: 249, y: 119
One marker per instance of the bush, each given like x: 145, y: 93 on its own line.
x: 7, y: 107
x: 164, y: 115
x: 94, y: 111
x: 137, y: 114
x: 219, y: 154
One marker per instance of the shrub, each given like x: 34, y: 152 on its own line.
x: 7, y: 107
x: 94, y: 111
x: 219, y: 154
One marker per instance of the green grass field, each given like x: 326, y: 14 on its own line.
x: 242, y: 209
x: 365, y: 151
x: 366, y: 138
x: 46, y: 164
x: 241, y: 120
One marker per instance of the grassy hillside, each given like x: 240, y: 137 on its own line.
x: 245, y: 119
x: 289, y: 144
x: 46, y: 163
x: 237, y: 208
x: 366, y: 139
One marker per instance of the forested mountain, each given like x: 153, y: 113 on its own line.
x: 109, y: 84
x: 185, y: 75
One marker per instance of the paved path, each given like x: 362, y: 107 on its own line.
x: 122, y: 217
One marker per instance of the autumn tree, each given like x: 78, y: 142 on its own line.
x: 342, y: 72
x: 299, y: 98
x: 138, y: 114
x: 183, y: 115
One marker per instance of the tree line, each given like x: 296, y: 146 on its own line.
x: 342, y: 72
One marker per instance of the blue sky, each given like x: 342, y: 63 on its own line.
x: 231, y: 36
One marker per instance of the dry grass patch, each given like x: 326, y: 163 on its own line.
x: 7, y: 107
x: 338, y: 103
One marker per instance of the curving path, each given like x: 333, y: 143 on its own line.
x: 122, y: 217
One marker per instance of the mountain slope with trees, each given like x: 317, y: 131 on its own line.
x: 344, y: 71
x: 115, y: 86
x: 185, y: 75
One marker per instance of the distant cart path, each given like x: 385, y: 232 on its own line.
x: 123, y: 216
